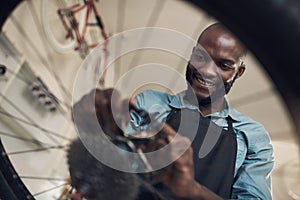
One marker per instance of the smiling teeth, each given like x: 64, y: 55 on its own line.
x: 204, y: 83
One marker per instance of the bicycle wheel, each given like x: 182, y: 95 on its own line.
x: 241, y: 24
x: 53, y: 25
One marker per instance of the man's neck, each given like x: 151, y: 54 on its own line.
x: 206, y: 106
x: 213, y: 107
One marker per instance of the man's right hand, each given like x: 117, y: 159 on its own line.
x: 180, y: 178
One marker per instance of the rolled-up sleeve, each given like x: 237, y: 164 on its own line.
x: 153, y: 102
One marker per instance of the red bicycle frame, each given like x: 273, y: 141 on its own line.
x: 71, y: 12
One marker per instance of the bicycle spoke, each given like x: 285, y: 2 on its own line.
x: 38, y: 149
x: 62, y: 3
x: 43, y: 178
x: 50, y: 189
x: 119, y: 28
x: 25, y: 115
x: 120, y: 19
x: 22, y: 138
x: 154, y: 16
x: 35, y: 125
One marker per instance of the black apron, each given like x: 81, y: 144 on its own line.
x: 214, y: 166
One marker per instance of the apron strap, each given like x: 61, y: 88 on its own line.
x: 229, y: 122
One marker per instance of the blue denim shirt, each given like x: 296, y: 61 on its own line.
x: 254, y: 159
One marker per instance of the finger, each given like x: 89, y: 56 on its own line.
x: 103, y: 103
x: 100, y: 106
x: 125, y: 109
x: 186, y: 158
x: 169, y: 131
x: 181, y: 146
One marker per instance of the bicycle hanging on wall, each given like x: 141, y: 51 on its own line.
x: 66, y: 24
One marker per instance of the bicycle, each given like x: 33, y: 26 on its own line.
x: 244, y: 26
x: 74, y: 35
x: 72, y: 20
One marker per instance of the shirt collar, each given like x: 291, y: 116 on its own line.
x: 178, y: 101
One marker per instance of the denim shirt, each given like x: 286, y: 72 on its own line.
x: 254, y: 159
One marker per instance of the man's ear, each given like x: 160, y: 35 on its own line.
x: 241, y: 70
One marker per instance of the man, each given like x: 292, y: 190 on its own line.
x: 239, y: 163
x: 216, y: 62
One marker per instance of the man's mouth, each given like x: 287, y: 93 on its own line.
x: 202, y: 81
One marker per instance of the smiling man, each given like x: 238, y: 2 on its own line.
x: 238, y: 165
x: 227, y: 154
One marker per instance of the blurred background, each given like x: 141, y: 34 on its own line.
x: 36, y: 88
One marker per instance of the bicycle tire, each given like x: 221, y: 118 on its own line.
x: 270, y: 57
x: 12, y: 187
x: 7, y: 171
x: 62, y: 45
x: 5, y: 10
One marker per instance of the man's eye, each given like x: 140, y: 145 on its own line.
x: 225, y: 66
x: 199, y: 57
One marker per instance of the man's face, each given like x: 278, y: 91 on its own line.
x: 214, y: 62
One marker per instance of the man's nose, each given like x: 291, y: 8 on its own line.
x: 210, y: 69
